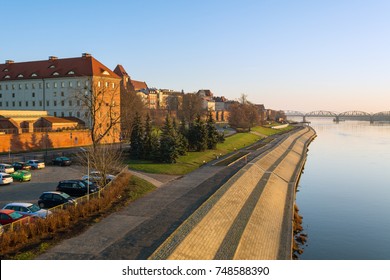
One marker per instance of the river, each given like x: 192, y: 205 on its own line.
x: 344, y: 192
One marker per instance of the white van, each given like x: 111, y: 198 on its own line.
x: 6, y: 168
x: 5, y: 179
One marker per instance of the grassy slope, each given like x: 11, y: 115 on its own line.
x: 193, y: 160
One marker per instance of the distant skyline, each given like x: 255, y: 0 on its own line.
x: 289, y: 55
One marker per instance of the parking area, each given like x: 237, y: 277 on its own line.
x: 41, y: 180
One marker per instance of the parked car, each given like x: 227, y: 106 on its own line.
x: 52, y: 199
x: 62, y: 161
x: 9, y: 216
x: 96, y: 176
x: 5, y: 179
x: 21, y: 166
x: 6, y: 168
x: 36, y: 164
x: 26, y: 208
x: 21, y: 175
x: 76, y: 187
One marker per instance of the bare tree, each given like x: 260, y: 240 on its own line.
x: 131, y: 104
x: 192, y: 106
x: 100, y: 104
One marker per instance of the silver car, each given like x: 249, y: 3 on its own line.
x: 28, y: 209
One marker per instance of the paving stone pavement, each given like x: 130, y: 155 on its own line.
x: 140, y: 228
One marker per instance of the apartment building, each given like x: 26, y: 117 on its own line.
x: 60, y: 87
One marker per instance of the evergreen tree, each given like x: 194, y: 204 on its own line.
x: 197, y: 135
x: 168, y: 142
x: 181, y: 139
x: 147, y: 139
x: 212, y: 133
x: 136, y: 138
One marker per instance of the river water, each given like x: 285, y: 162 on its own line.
x: 344, y: 192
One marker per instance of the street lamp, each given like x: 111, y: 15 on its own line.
x: 86, y: 151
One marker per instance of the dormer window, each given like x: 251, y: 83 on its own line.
x: 20, y: 76
x: 52, y: 66
x: 5, y: 70
x: 71, y: 72
x: 34, y: 75
x: 105, y: 72
x: 7, y: 77
x: 55, y: 74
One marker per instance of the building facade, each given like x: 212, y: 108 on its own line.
x: 62, y: 87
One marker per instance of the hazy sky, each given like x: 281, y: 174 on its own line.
x: 296, y: 55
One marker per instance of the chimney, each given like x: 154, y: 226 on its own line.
x: 8, y: 61
x: 86, y: 55
x: 52, y: 58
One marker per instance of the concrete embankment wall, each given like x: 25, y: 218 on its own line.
x: 250, y: 216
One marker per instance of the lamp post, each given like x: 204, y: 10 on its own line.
x: 86, y: 151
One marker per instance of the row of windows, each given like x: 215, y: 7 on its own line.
x: 33, y: 94
x: 62, y: 114
x: 33, y: 103
x: 39, y: 85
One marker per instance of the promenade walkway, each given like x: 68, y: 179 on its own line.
x: 143, y: 227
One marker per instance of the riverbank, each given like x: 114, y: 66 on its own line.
x: 250, y: 216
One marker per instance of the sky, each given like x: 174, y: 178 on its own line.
x: 288, y: 55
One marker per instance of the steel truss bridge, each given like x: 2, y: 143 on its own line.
x: 349, y: 115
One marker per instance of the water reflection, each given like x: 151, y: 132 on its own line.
x: 344, y: 195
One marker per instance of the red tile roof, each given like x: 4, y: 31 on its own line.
x: 139, y: 85
x: 64, y: 67
x: 120, y: 71
x: 58, y: 120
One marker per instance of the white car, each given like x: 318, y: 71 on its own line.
x: 26, y: 208
x: 5, y: 179
x: 6, y: 168
x: 36, y: 164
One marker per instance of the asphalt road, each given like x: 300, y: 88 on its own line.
x: 41, y: 180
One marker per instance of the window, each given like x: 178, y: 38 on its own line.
x: 78, y: 102
x: 62, y: 103
x: 6, y: 87
x: 70, y: 84
x: 78, y: 84
x: 33, y: 86
x: 62, y: 114
x: 47, y: 103
x: 1, y: 95
x: 55, y: 94
x: 55, y: 103
x: 20, y: 86
x: 62, y: 84
x: 55, y: 114
x: 62, y: 93
x: 55, y: 84
x: 40, y: 85
x: 52, y: 66
x: 25, y: 86
x: 113, y: 85
x: 47, y: 85
x: 13, y: 103
x: 40, y: 103
x: 70, y: 102
x: 33, y: 94
x: 0, y: 87
x: 33, y: 75
x: 70, y: 114
x: 26, y: 103
x: 20, y: 103
x: 106, y: 84
x: 99, y: 84
x: 20, y: 76
x: 71, y: 72
x: 7, y: 76
x: 6, y: 104
x: 1, y: 104
x: 78, y: 114
x: 56, y: 74
x: 13, y: 95
x: 33, y: 103
x: 13, y: 86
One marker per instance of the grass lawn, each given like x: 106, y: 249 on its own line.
x: 193, y: 160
